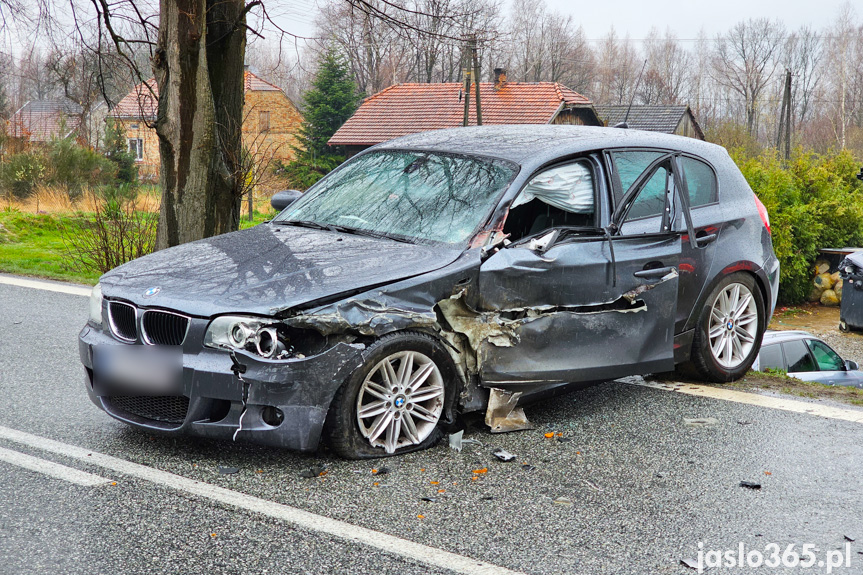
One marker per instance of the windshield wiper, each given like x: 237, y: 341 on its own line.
x: 343, y: 229
x: 372, y: 234
x: 307, y: 224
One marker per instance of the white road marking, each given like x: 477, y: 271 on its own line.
x: 302, y: 519
x: 50, y: 468
x: 47, y: 286
x: 784, y: 404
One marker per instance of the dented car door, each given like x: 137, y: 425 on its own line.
x: 594, y: 305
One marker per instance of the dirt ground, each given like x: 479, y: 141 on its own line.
x: 807, y: 317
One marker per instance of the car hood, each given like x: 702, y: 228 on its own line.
x: 267, y: 269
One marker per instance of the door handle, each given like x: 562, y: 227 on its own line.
x: 654, y: 273
x: 702, y: 241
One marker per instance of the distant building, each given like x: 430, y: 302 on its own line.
x: 410, y: 108
x: 270, y: 122
x: 666, y: 119
x: 38, y: 121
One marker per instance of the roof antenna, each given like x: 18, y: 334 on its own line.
x: 623, y: 124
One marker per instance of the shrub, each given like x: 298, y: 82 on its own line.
x: 20, y: 173
x: 116, y: 234
x: 814, y: 201
x: 73, y: 167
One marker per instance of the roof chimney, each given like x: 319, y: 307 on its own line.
x: 499, y: 78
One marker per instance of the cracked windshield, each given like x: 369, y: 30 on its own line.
x: 411, y: 195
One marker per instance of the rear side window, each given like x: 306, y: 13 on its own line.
x: 798, y: 356
x: 770, y: 357
x: 826, y: 358
x: 701, y: 182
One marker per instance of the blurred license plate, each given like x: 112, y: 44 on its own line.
x: 137, y: 370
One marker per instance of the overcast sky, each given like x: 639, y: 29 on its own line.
x: 686, y: 18
x: 637, y: 17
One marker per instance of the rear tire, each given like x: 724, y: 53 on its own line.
x: 729, y: 330
x: 395, y: 401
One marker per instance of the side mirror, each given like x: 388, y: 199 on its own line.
x: 283, y: 199
x: 543, y: 243
x: 851, y: 365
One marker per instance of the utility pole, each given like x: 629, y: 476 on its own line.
x: 788, y: 115
x: 476, y: 80
x: 784, y: 135
x: 471, y: 73
x: 467, y: 72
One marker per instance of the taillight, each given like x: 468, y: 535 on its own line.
x: 762, y: 211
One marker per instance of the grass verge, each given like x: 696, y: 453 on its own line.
x: 758, y: 381
x: 32, y: 244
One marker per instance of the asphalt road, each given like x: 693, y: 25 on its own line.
x: 641, y: 487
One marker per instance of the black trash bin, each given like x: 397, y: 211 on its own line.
x: 851, y: 309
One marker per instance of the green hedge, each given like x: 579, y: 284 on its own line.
x: 814, y: 201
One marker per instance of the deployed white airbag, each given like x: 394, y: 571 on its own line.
x: 568, y: 187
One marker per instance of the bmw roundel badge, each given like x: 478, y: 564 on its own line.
x: 152, y: 291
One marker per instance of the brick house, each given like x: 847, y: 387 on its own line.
x: 410, y: 108
x: 270, y: 122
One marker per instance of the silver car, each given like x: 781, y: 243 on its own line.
x: 804, y: 356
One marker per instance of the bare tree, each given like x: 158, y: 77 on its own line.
x: 617, y: 70
x: 665, y: 78
x: 843, y: 71
x: 803, y: 56
x: 284, y: 68
x: 745, y: 60
x: 377, y: 55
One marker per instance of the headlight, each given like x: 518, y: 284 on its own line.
x: 254, y: 334
x: 96, y: 305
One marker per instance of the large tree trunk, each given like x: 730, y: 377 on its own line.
x: 199, y: 70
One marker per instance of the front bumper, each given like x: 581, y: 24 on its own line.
x: 301, y: 389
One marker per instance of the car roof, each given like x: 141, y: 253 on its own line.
x: 771, y: 336
x: 520, y: 143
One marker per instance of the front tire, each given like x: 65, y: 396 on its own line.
x: 729, y: 330
x: 394, y: 402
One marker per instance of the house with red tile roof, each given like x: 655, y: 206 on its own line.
x: 410, y: 108
x: 270, y: 122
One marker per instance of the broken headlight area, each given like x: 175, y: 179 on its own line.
x: 266, y: 337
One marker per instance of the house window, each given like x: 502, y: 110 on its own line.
x: 136, y: 147
x: 263, y: 121
x: 134, y: 126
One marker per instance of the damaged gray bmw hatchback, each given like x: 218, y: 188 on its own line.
x: 436, y: 274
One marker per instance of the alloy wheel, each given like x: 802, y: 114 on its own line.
x: 400, y: 401
x: 733, y: 325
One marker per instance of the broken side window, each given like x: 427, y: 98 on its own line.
x: 559, y: 196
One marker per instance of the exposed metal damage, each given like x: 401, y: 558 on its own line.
x: 503, y: 414
x: 469, y: 333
